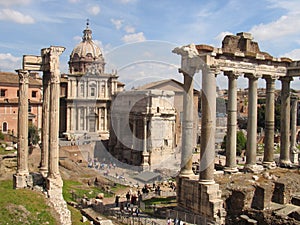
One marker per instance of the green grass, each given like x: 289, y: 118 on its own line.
x: 160, y: 201
x: 23, y: 206
x: 4, y: 152
x: 80, y: 190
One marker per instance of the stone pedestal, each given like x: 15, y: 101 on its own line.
x: 20, y: 181
x: 201, y: 198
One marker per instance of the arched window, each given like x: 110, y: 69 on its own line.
x: 4, y: 127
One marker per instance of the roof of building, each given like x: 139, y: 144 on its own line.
x: 13, y: 78
x: 155, y: 84
x: 86, y: 48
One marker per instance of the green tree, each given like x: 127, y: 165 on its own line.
x: 241, y: 142
x: 33, y: 135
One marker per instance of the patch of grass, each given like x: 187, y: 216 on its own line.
x: 4, y: 152
x: 90, y: 192
x: 160, y: 201
x: 76, y: 216
x: 23, y: 206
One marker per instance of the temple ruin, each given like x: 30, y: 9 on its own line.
x: 48, y: 63
x: 239, y: 55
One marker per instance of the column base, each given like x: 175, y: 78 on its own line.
x: 253, y: 168
x: 186, y: 173
x: 20, y: 181
x: 206, y: 182
x: 285, y: 163
x: 44, y: 172
x: 269, y: 165
x: 230, y: 170
x: 294, y: 157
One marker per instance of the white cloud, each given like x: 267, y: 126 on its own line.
x: 136, y: 37
x: 117, y: 23
x: 294, y: 54
x: 15, y: 16
x: 219, y: 38
x: 93, y: 10
x: 74, y: 1
x: 77, y: 38
x: 129, y: 29
x: 287, y: 25
x: 14, y: 2
x: 284, y: 26
x: 8, y: 62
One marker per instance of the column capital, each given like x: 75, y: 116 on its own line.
x: 232, y: 74
x: 270, y: 77
x: 190, y: 59
x: 286, y: 79
x: 23, y: 76
x: 252, y: 76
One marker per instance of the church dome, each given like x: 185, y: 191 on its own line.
x: 85, y: 54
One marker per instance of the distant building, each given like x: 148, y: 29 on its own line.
x: 9, y: 97
x: 177, y: 88
x: 143, y: 127
x: 87, y: 92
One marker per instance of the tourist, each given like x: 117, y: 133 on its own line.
x: 117, y: 200
x: 128, y: 196
x: 169, y: 221
x: 137, y: 211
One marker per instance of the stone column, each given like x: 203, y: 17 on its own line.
x: 284, y: 159
x: 187, y: 127
x: 269, y: 123
x: 251, y: 124
x: 145, y: 153
x: 52, y: 57
x: 293, y: 148
x: 190, y: 65
x: 208, y: 125
x: 230, y: 165
x: 20, y: 178
x: 45, y: 125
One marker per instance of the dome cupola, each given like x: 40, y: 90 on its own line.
x: 85, y: 54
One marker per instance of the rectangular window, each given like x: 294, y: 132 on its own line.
x: 29, y: 108
x: 33, y: 94
x: 18, y: 93
x: 93, y: 92
x: 3, y: 92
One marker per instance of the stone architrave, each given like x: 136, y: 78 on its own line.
x: 45, y: 126
x: 252, y: 124
x: 268, y: 160
x: 284, y: 159
x: 20, y: 178
x: 293, y: 148
x: 190, y: 64
x: 230, y: 165
x: 208, y: 125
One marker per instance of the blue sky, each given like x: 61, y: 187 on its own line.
x: 137, y: 36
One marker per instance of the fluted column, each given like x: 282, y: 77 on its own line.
x: 52, y: 56
x: 20, y: 178
x: 284, y: 159
x: 293, y: 148
x: 252, y: 123
x: 269, y: 122
x: 45, y: 125
x: 208, y: 125
x: 230, y: 165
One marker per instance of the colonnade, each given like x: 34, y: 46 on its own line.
x: 48, y: 62
x: 208, y: 120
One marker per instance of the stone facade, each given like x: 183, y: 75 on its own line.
x: 143, y: 127
x: 87, y: 92
x: 177, y: 87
